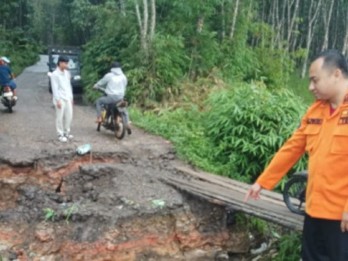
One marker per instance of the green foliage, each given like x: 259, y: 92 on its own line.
x: 252, y: 224
x: 158, y: 78
x: 276, y: 66
x: 188, y: 44
x: 183, y: 128
x: 289, y: 247
x: 236, y: 135
x: 101, y: 51
x: 69, y: 211
x: 21, y: 50
x: 50, y: 214
x: 247, y: 125
x: 300, y: 87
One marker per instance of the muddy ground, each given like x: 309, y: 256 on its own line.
x: 112, y: 204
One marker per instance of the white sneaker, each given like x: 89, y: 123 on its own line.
x: 62, y: 139
x: 15, y: 98
x: 69, y: 136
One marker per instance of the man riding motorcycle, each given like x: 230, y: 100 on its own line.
x: 115, y: 83
x: 6, y: 76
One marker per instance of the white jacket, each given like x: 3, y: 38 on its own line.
x: 115, y: 82
x: 61, y: 85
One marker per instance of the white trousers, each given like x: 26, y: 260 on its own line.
x: 64, y: 117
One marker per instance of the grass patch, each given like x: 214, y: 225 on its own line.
x: 300, y: 87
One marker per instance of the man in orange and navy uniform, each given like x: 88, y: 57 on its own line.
x: 323, y: 135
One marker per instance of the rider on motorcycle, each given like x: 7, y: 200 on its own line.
x: 6, y: 76
x: 115, y: 83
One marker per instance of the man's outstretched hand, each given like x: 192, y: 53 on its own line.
x: 253, y: 192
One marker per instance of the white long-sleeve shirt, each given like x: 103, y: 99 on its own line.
x: 61, y: 85
x: 115, y: 82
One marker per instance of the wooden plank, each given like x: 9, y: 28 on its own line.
x: 224, y: 191
x: 260, y: 209
x: 225, y: 181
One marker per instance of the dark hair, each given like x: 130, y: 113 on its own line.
x: 334, y: 59
x: 115, y: 65
x: 62, y: 58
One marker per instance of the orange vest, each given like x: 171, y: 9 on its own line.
x: 325, y: 138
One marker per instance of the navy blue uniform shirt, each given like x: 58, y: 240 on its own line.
x: 5, y: 74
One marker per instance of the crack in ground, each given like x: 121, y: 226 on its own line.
x: 68, y: 207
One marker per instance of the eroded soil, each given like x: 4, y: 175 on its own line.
x: 107, y: 207
x: 111, y: 204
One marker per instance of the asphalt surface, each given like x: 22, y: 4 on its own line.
x: 29, y: 132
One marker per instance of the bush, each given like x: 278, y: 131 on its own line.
x: 247, y: 125
x: 237, y: 134
x: 21, y: 50
x: 289, y: 247
x: 183, y: 128
x: 276, y: 67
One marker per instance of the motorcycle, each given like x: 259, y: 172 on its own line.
x: 113, y: 118
x: 294, y: 193
x: 7, y: 99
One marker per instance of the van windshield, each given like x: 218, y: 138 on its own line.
x: 72, y: 64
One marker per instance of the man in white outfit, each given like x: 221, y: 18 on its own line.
x: 62, y: 98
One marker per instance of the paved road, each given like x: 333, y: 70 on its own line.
x: 29, y: 132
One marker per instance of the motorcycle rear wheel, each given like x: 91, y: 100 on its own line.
x: 294, y: 194
x: 119, y: 126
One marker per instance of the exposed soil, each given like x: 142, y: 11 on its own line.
x: 107, y: 207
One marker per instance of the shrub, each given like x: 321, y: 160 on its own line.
x: 183, y: 128
x: 21, y: 50
x: 289, y: 247
x: 237, y: 134
x: 247, y: 125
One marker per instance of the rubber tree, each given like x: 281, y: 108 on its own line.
x: 147, y: 25
x: 327, y: 9
x: 313, y: 13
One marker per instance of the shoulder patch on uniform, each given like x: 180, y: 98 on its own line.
x: 314, y: 121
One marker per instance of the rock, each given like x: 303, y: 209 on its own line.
x: 259, y: 250
x: 221, y: 256
x: 87, y: 187
x: 44, y: 234
x: 196, y: 255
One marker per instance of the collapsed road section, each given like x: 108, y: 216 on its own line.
x: 108, y: 207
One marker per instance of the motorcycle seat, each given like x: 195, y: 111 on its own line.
x: 122, y: 103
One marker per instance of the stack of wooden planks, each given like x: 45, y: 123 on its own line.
x: 230, y: 193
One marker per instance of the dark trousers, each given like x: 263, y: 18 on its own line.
x: 323, y: 240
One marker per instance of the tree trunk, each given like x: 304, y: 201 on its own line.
x: 345, y: 41
x: 147, y: 32
x: 312, y: 18
x: 234, y: 20
x: 223, y: 22
x: 273, y: 23
x: 291, y: 21
x: 122, y: 7
x: 327, y: 21
x: 153, y: 19
x: 143, y: 24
